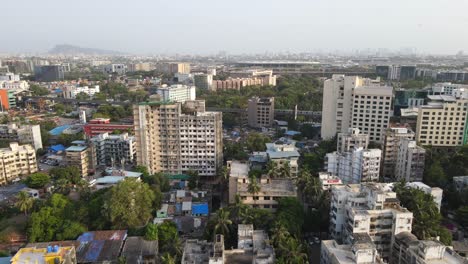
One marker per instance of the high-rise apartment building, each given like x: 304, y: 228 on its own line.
x: 442, y: 122
x: 356, y: 166
x: 261, y: 111
x: 174, y: 67
x: 368, y: 209
x: 391, y: 140
x: 372, y: 109
x: 16, y: 161
x: 24, y: 134
x: 203, y: 81
x: 119, y: 69
x: 144, y: 66
x: 113, y: 150
x: 177, y: 93
x: 351, y: 101
x: 410, y: 161
x: 49, y: 73
x: 178, y: 137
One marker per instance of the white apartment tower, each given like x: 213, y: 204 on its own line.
x: 410, y: 161
x: 392, y: 139
x: 356, y: 166
x: 175, y: 138
x: 177, y: 93
x: 368, y: 209
x: 352, y: 101
x: 351, y: 140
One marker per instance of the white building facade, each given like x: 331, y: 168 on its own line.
x: 177, y: 93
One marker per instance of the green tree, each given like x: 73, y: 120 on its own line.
x: 151, y: 232
x: 168, y: 259
x: 222, y: 222
x: 290, y: 213
x: 37, y: 180
x: 24, y: 202
x: 435, y: 176
x: 462, y: 216
x: 256, y: 142
x: 54, y: 221
x: 37, y: 90
x: 82, y: 96
x: 285, y: 170
x: 71, y: 174
x: 194, y: 179
x: 253, y: 187
x: 272, y: 169
x: 130, y: 204
x: 292, y: 251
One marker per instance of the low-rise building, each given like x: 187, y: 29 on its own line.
x: 16, y: 161
x: 51, y: 254
x: 460, y: 182
x: 71, y: 91
x: 103, y: 125
x: 361, y: 251
x: 204, y: 252
x: 327, y: 180
x: 282, y: 152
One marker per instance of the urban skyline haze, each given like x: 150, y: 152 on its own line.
x: 208, y: 26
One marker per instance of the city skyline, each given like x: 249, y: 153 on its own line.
x: 206, y: 27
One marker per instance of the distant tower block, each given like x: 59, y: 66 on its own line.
x: 82, y: 116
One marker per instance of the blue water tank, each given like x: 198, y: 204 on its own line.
x: 49, y: 249
x: 56, y: 248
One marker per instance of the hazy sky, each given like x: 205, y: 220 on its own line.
x: 236, y: 26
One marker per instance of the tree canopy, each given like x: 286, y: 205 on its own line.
x: 37, y: 180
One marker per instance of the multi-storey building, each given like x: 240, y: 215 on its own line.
x: 175, y: 138
x: 238, y: 83
x: 24, y: 134
x: 16, y: 161
x: 372, y: 109
x: 144, y: 66
x: 356, y: 166
x: 7, y: 98
x: 261, y: 111
x: 71, y: 91
x: 410, y: 161
x: 270, y: 189
x: 119, y: 69
x: 174, y: 67
x: 177, y: 93
x: 103, y: 125
x: 113, y: 149
x: 361, y: 251
x: 78, y: 156
x: 368, y: 209
x: 351, y: 101
x: 391, y: 141
x: 407, y: 249
x: 352, y: 140
x: 203, y: 81
x: 283, y: 153
x: 49, y: 73
x: 442, y: 122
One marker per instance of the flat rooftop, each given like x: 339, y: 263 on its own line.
x: 76, y: 148
x: 239, y: 169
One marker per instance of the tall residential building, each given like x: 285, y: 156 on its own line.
x: 351, y: 140
x: 410, y: 161
x: 16, y: 161
x: 203, y: 81
x: 113, y: 150
x: 178, y: 137
x: 356, y: 166
x: 368, y: 209
x: 7, y: 98
x: 351, y: 101
x: 261, y: 111
x: 144, y: 66
x: 442, y: 122
x: 49, y: 73
x: 177, y: 93
x: 78, y: 156
x: 391, y: 140
x: 372, y: 109
x: 174, y: 67
x: 119, y: 69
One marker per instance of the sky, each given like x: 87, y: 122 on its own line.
x: 235, y: 26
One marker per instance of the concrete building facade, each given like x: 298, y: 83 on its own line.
x: 16, y: 161
x: 177, y: 93
x: 113, y: 150
x: 24, y: 134
x: 359, y: 165
x: 78, y: 156
x: 410, y: 161
x: 175, y: 138
x: 261, y: 111
x: 391, y: 140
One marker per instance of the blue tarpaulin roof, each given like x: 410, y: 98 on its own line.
x: 58, y: 130
x: 200, y: 209
x: 292, y: 133
x: 57, y: 148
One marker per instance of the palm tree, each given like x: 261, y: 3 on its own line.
x: 279, y: 233
x: 285, y: 170
x: 62, y: 186
x: 292, y: 251
x: 168, y: 259
x: 25, y: 202
x: 253, y: 187
x: 272, y: 169
x: 222, y: 222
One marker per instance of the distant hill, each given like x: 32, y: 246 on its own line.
x: 66, y: 49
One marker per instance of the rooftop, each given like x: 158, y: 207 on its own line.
x: 238, y: 168
x: 76, y: 148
